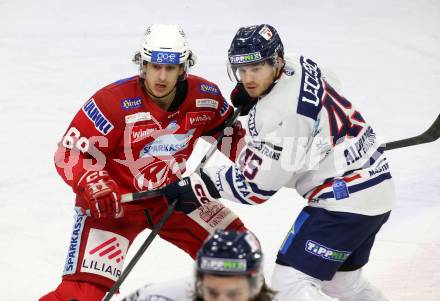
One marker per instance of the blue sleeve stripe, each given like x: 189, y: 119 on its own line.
x: 372, y: 182
x: 230, y: 181
x: 256, y: 189
x: 361, y: 186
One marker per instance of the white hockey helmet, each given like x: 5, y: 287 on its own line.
x: 165, y: 44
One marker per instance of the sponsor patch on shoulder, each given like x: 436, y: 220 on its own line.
x: 206, y: 103
x: 105, y: 253
x: 102, y: 124
x: 210, y: 89
x: 137, y: 117
x: 131, y: 103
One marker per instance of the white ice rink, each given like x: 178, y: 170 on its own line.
x: 56, y: 54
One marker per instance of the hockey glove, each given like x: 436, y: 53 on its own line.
x: 102, y: 195
x: 191, y: 192
x: 240, y: 98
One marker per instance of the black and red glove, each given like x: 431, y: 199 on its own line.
x: 102, y: 195
x: 191, y: 192
x: 240, y: 98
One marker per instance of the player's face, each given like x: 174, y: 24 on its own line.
x: 234, y: 288
x: 161, y: 79
x: 256, y: 78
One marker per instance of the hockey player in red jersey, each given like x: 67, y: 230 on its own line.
x: 134, y: 135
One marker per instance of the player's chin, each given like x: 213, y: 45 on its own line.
x: 161, y: 91
x: 253, y: 92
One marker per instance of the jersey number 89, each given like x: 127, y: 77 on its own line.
x: 73, y: 139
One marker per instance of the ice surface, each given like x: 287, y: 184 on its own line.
x: 55, y: 54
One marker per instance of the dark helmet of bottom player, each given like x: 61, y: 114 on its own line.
x: 254, y: 44
x: 231, y: 253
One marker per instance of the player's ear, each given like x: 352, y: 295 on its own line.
x: 279, y: 64
x: 280, y: 61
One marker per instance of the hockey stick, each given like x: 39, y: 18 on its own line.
x: 130, y: 197
x: 167, y: 214
x: 430, y: 135
x: 141, y: 195
x: 141, y: 251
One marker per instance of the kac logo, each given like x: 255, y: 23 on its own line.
x: 157, y: 173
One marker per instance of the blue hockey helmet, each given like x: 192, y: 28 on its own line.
x: 231, y: 253
x: 253, y: 44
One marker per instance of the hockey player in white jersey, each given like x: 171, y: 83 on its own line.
x: 228, y: 267
x: 302, y: 133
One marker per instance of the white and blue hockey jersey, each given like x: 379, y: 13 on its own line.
x: 305, y: 135
x: 181, y: 289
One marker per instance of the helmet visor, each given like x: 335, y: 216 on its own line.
x: 237, y: 71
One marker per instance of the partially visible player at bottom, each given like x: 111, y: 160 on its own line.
x: 228, y: 267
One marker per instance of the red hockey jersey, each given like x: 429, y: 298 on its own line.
x: 122, y: 130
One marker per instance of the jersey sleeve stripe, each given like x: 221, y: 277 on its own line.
x: 257, y: 200
x: 361, y: 186
x: 330, y: 184
x: 236, y: 194
x: 260, y: 191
